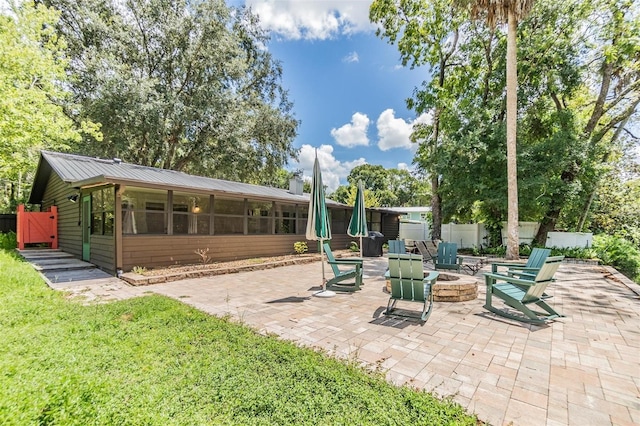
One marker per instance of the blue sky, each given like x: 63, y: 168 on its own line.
x: 347, y: 85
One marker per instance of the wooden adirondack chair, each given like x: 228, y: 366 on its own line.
x: 353, y: 273
x: 428, y: 250
x: 531, y: 268
x: 527, y: 271
x: 397, y: 246
x: 520, y: 293
x: 408, y: 283
x: 448, y: 257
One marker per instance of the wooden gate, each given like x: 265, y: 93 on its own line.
x: 37, y: 227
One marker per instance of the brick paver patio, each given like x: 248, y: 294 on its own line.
x: 583, y: 369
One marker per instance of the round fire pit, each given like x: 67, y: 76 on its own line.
x: 451, y: 287
x: 454, y: 288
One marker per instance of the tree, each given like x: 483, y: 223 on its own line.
x: 426, y: 33
x: 31, y: 80
x: 182, y: 85
x: 612, y: 67
x: 391, y: 188
x: 510, y: 11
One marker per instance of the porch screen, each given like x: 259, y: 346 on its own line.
x: 144, y: 211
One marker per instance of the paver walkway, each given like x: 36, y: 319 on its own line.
x: 580, y: 370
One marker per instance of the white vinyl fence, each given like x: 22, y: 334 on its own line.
x: 569, y: 239
x: 526, y: 232
x: 475, y: 234
x: 465, y: 235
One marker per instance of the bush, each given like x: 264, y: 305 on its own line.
x: 300, y: 247
x: 8, y: 241
x: 619, y: 253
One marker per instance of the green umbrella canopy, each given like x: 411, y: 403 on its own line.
x: 318, y: 227
x: 358, y: 222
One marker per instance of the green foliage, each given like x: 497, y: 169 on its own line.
x: 153, y: 360
x: 32, y: 81
x: 300, y: 247
x: 616, y: 209
x: 619, y: 253
x: 8, y: 241
x: 576, y: 91
x: 353, y: 246
x: 141, y: 270
x: 182, y: 85
x: 383, y: 187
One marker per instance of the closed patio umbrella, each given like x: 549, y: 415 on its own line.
x: 318, y: 226
x: 358, y: 222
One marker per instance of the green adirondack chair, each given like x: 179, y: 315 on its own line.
x: 527, y: 271
x: 408, y: 283
x: 521, y: 293
x: 533, y: 265
x: 448, y: 257
x: 353, y: 273
x: 397, y: 246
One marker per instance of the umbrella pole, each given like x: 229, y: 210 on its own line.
x: 360, y: 245
x: 324, y: 281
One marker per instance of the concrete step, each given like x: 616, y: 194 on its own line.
x: 32, y: 254
x: 50, y: 265
x: 59, y: 279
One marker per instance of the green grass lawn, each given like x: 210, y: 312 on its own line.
x: 153, y: 360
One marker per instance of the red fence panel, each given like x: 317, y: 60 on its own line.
x: 37, y: 227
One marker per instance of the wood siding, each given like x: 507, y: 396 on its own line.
x: 103, y: 252
x: 390, y: 226
x: 152, y: 251
x: 69, y: 229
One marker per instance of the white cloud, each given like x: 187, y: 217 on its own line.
x: 354, y: 133
x: 333, y: 171
x: 403, y: 166
x: 312, y: 20
x: 351, y: 57
x: 395, y: 132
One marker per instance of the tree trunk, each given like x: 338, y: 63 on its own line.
x: 436, y: 210
x: 547, y: 225
x: 513, y: 238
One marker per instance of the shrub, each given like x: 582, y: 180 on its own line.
x: 619, y: 253
x: 353, y: 246
x: 8, y: 241
x: 300, y: 247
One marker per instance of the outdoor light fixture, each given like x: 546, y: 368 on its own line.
x: 196, y: 209
x: 73, y: 198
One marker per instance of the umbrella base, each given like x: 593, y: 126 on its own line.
x: 324, y: 293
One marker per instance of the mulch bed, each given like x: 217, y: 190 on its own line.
x: 181, y: 272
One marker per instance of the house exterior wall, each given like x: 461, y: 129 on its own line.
x: 390, y: 226
x: 152, y: 251
x: 110, y: 252
x: 103, y: 252
x: 69, y: 229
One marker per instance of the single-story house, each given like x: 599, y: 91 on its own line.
x: 412, y: 213
x: 119, y: 215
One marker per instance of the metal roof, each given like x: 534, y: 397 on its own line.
x: 80, y: 171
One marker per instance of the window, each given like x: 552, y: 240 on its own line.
x: 102, y: 208
x: 285, y: 219
x: 303, y: 214
x: 144, y: 211
x: 339, y: 221
x: 259, y: 218
x: 374, y: 221
x: 229, y: 216
x: 190, y: 213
